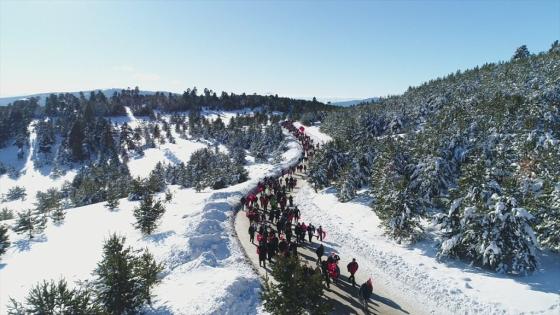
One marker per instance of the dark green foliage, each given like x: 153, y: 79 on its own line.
x: 93, y: 182
x: 76, y: 141
x: 123, y: 280
x: 147, y: 270
x: 521, y: 52
x: 30, y: 223
x: 212, y: 169
x: 4, y: 240
x: 14, y: 193
x: 56, y: 298
x: 298, y: 289
x: 112, y: 198
x: 148, y: 213
x: 48, y: 201
x: 6, y: 214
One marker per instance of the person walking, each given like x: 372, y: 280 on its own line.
x: 320, y: 233
x: 325, y: 272
x: 252, y: 231
x: 261, y: 251
x: 310, y: 232
x: 352, y: 268
x: 320, y: 251
x: 366, y: 289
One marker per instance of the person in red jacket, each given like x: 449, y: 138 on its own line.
x: 352, y: 268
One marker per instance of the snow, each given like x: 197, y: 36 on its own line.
x: 205, y: 272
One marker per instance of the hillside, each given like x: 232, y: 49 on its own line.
x: 476, y: 153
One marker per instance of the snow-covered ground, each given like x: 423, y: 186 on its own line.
x: 450, y: 287
x: 206, y: 271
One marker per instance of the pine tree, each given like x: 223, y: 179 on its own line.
x: 297, y: 290
x: 147, y: 270
x: 521, y: 53
x: 58, y: 215
x: 548, y: 227
x: 56, y: 298
x: 116, y: 284
x: 29, y: 223
x: 147, y: 214
x: 76, y: 140
x: 4, y: 240
x: 112, y: 199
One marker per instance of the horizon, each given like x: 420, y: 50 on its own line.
x: 291, y: 49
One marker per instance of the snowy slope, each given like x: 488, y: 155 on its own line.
x: 450, y: 287
x: 32, y: 179
x: 205, y: 269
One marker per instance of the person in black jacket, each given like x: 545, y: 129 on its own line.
x: 320, y: 251
x: 252, y: 231
x: 261, y: 251
x: 366, y: 289
x: 325, y: 273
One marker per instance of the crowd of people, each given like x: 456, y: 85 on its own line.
x: 275, y: 224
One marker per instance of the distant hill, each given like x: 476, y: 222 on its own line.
x: 42, y: 96
x: 354, y: 102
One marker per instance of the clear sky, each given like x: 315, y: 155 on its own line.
x: 337, y: 49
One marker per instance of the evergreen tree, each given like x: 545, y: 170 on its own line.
x: 521, y: 53
x: 15, y: 193
x: 6, y: 214
x: 76, y: 141
x: 48, y: 201
x: 147, y: 270
x: 116, y: 284
x: 112, y: 199
x: 29, y: 223
x: 297, y: 290
x: 147, y: 214
x: 56, y: 298
x: 4, y: 240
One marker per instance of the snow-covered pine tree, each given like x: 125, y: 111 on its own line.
x: 549, y: 221
x: 57, y: 215
x: 15, y: 193
x: 148, y: 213
x: 4, y: 239
x: 6, y: 214
x: 395, y: 203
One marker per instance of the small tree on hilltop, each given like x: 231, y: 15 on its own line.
x: 147, y: 214
x: 298, y: 289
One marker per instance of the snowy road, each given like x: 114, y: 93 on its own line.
x: 343, y: 295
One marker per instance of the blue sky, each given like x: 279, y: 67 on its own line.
x: 301, y: 48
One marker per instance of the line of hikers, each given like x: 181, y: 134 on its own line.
x: 271, y: 205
